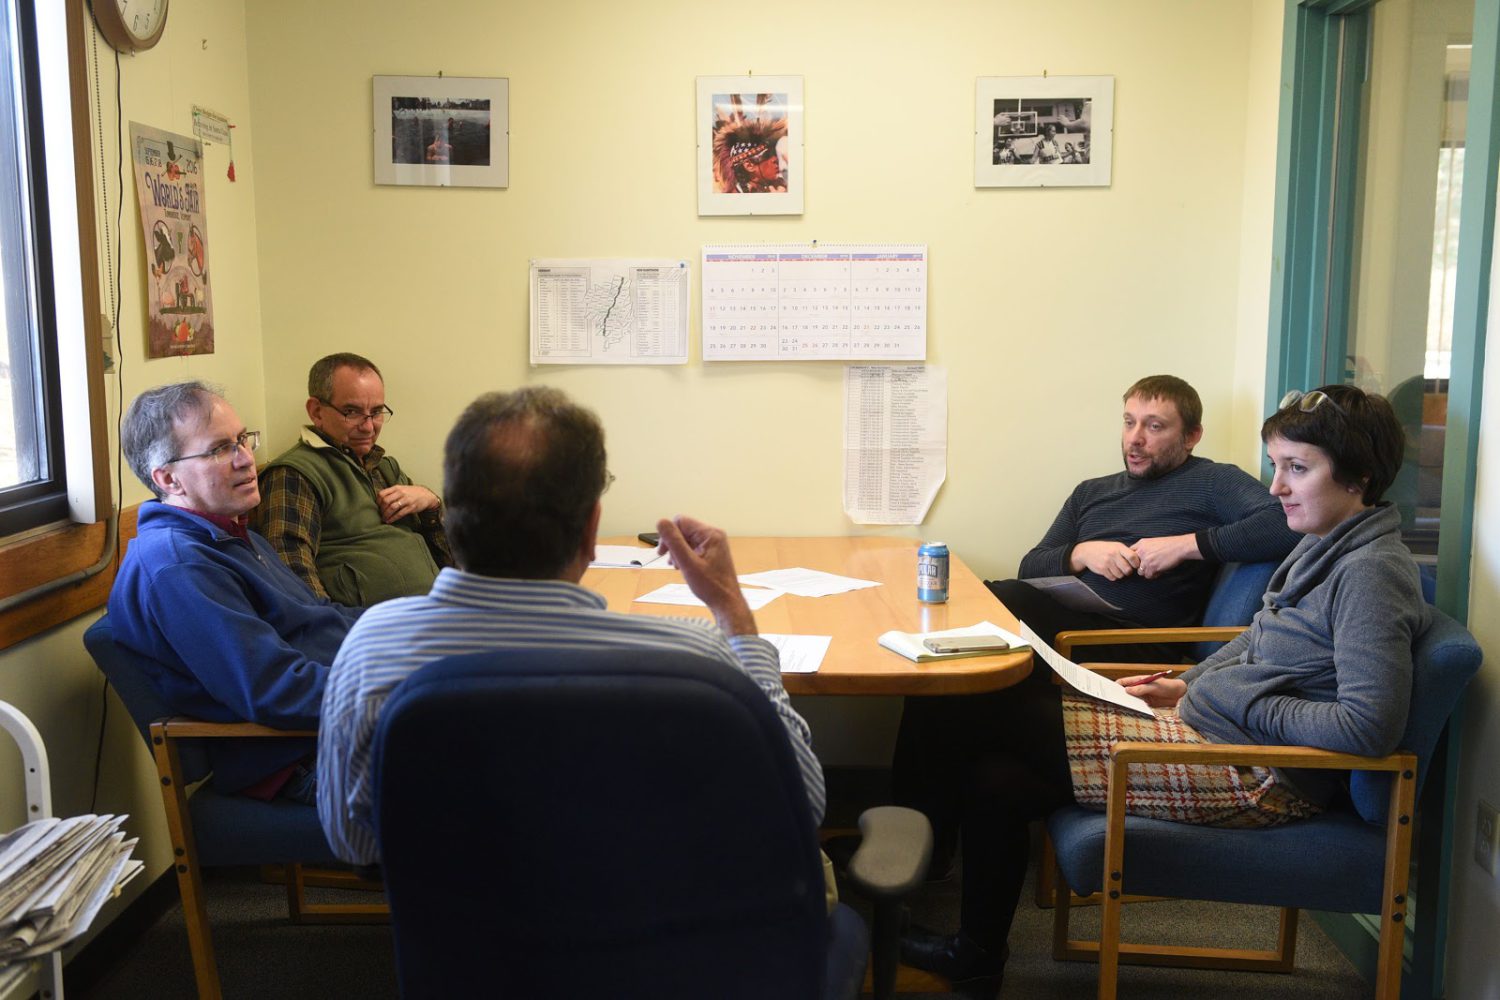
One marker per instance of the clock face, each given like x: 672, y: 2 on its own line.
x: 131, y: 25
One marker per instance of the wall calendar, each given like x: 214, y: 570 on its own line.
x: 815, y: 302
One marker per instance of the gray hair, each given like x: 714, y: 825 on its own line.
x: 149, y: 432
x: 320, y: 375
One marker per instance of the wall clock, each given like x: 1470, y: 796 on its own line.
x: 130, y: 25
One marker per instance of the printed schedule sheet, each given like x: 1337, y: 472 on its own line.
x: 592, y: 311
x: 804, y: 302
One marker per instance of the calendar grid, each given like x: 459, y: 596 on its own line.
x: 805, y: 302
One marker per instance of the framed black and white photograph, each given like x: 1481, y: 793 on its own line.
x: 442, y: 131
x: 750, y: 145
x: 1036, y: 131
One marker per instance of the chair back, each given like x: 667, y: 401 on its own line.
x: 618, y: 823
x: 127, y: 671
x: 1234, y: 600
x: 1444, y: 659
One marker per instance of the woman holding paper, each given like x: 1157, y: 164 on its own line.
x: 1326, y: 663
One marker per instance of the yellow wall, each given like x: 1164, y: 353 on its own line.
x: 1166, y: 270
x: 1044, y: 305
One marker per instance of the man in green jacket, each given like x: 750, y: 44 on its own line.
x: 337, y: 509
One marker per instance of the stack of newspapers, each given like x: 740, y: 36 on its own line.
x: 55, y: 874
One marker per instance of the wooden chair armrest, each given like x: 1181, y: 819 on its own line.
x: 1402, y: 766
x: 1252, y: 755
x: 1066, y: 641
x: 181, y: 727
x: 1114, y: 671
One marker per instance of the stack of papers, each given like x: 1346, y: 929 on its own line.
x: 806, y: 582
x: 55, y: 874
x: 909, y: 644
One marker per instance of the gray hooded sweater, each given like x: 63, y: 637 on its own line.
x: 1327, y: 660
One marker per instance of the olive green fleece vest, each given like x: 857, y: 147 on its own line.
x: 361, y: 559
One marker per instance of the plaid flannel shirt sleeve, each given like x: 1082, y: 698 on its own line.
x: 291, y: 519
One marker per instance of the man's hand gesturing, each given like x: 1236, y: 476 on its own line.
x: 701, y: 552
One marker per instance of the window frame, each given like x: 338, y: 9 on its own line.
x: 84, y: 549
x: 41, y: 501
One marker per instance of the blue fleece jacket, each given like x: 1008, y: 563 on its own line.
x: 237, y: 636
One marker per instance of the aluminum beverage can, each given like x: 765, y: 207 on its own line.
x: 932, y: 573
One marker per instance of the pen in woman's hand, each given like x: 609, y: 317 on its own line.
x: 1152, y: 677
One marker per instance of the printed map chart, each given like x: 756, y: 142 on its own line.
x: 815, y: 302
x: 609, y: 312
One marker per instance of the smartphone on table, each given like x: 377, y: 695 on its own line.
x: 967, y: 644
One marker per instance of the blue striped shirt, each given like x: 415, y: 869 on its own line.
x: 466, y: 613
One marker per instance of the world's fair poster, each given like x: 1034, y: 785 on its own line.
x: 174, y: 227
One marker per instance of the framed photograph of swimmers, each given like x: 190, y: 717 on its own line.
x: 750, y: 145
x: 1043, y: 131
x: 442, y: 131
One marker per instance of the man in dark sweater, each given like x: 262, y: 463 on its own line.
x: 1148, y: 540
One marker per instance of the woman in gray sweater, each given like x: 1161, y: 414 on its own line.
x: 1326, y: 663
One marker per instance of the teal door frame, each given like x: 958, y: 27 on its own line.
x: 1325, y: 57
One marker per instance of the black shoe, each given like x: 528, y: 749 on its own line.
x: 974, y: 972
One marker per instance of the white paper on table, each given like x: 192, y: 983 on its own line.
x: 800, y: 654
x: 678, y: 593
x: 895, y: 441
x: 1083, y: 680
x: 806, y: 582
x: 609, y: 312
x: 1072, y: 593
x: 628, y: 557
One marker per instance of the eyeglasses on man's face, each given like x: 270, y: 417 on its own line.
x: 1306, y: 402
x: 354, y: 416
x: 248, y: 440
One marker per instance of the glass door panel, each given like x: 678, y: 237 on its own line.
x: 1410, y: 183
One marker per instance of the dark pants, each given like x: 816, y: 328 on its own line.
x: 989, y: 764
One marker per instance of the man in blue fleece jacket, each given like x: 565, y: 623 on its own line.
x: 233, y: 634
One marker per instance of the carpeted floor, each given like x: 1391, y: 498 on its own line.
x: 260, y: 955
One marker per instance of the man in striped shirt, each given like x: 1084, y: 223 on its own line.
x: 523, y: 476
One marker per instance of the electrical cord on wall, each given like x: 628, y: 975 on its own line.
x: 113, y: 257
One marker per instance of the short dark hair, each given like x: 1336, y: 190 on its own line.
x: 1359, y: 432
x: 522, y: 472
x: 320, y: 375
x: 1175, y: 391
x: 148, y: 433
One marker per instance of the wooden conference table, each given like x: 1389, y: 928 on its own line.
x: 855, y: 663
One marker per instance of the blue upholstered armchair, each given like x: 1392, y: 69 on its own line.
x: 1352, y: 860
x: 611, y: 823
x: 209, y: 828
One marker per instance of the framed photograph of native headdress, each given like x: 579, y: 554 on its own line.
x: 750, y: 158
x: 1043, y: 131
